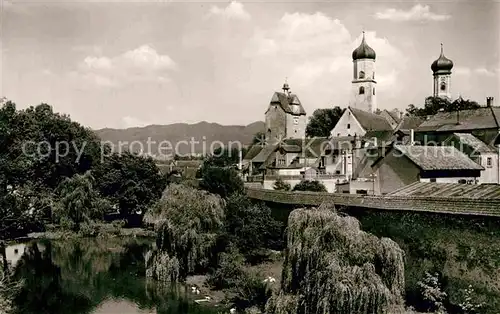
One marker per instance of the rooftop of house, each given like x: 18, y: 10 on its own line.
x: 473, y: 119
x: 432, y: 189
x: 408, y: 123
x: 371, y: 121
x: 290, y: 103
x: 430, y: 158
x: 394, y: 115
x: 471, y: 142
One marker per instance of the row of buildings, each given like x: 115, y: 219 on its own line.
x: 373, y: 151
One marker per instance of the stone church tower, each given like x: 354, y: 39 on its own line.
x: 363, y: 95
x: 285, y: 117
x: 441, y: 69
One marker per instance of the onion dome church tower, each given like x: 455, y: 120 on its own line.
x: 363, y: 85
x: 441, y: 69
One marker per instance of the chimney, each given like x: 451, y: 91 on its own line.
x: 489, y: 101
x: 412, y: 137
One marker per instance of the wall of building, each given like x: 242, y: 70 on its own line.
x: 347, y: 126
x: 275, y: 122
x: 490, y: 174
x: 449, y: 180
x: 330, y: 184
x: 394, y: 173
x: 356, y: 186
x: 437, y: 81
x: 368, y: 100
x: 14, y: 253
x: 296, y: 126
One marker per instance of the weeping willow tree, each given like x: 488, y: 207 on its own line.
x: 331, y: 266
x: 187, y: 222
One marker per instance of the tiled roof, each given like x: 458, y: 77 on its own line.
x: 286, y: 101
x: 433, y: 189
x: 253, y: 151
x: 409, y: 122
x: 438, y: 157
x: 370, y: 121
x: 482, y: 118
x: 394, y: 115
x: 264, y: 154
x: 384, y: 136
x: 472, y: 142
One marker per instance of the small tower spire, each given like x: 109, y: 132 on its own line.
x: 286, y: 87
x: 442, y: 50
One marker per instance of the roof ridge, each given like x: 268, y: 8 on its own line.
x: 494, y: 116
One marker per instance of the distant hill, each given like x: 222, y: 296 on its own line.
x: 173, y: 134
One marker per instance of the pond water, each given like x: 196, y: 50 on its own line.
x: 98, y: 276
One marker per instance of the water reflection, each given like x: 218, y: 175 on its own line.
x: 92, y: 276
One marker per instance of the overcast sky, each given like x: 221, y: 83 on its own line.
x: 123, y: 63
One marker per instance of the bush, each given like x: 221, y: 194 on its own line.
x: 222, y: 181
x: 281, y: 185
x: 432, y: 294
x: 311, y: 186
x: 469, y: 305
x: 251, y: 227
x: 251, y: 292
x: 230, y: 270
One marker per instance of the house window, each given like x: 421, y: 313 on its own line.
x: 361, y: 74
x: 433, y: 180
x: 361, y: 90
x: 489, y: 162
x: 348, y: 125
x: 338, y: 134
x: 462, y: 181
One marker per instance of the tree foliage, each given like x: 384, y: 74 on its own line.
x: 250, y: 227
x: 281, y: 185
x: 435, y: 104
x: 188, y: 222
x: 311, y: 186
x: 222, y: 181
x: 259, y: 138
x: 322, y: 121
x: 78, y: 201
x: 40, y: 149
x: 332, y: 266
x: 131, y: 182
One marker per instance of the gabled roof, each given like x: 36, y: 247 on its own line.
x: 289, y: 103
x: 370, y: 121
x: 432, y: 189
x: 253, y: 151
x: 471, y: 142
x: 437, y: 157
x: 473, y: 119
x: 264, y: 154
x: 409, y: 122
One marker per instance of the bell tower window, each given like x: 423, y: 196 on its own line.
x: 374, y: 91
x: 362, y: 90
x: 361, y: 75
x: 443, y: 86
